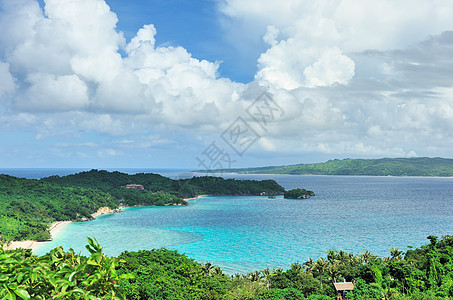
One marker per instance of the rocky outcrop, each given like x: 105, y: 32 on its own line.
x: 106, y: 210
x: 298, y: 194
x: 101, y: 211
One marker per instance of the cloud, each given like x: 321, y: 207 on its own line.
x: 48, y: 92
x: 6, y: 79
x: 109, y: 153
x: 317, y: 39
x: 291, y: 66
x: 353, y: 78
x: 81, y: 39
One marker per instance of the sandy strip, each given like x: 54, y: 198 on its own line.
x: 28, y: 244
x: 59, y: 225
x: 197, y: 197
x: 56, y: 227
x: 105, y: 210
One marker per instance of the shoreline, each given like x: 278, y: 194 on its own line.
x: 57, y: 226
x: 54, y: 229
x: 194, y: 198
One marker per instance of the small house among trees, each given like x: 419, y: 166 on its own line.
x: 135, y: 186
x: 341, y: 287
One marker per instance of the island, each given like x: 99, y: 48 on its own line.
x: 415, y: 166
x: 28, y: 207
x: 298, y: 194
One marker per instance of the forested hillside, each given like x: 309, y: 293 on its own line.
x: 425, y: 273
x: 114, y: 183
x: 417, y: 166
x: 27, y: 206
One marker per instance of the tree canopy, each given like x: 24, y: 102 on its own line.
x: 415, y: 166
x: 29, y: 206
x: 423, y: 273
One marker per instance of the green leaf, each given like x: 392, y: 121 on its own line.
x: 22, y: 293
x: 53, y: 281
x: 33, y: 277
x: 127, y: 276
x: 10, y: 296
x: 72, y: 275
x: 20, y: 277
x: 90, y: 241
x: 3, y: 277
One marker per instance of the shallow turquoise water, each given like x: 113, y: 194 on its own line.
x: 245, y: 233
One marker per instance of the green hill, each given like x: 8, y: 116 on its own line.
x: 417, y: 166
x: 114, y: 183
x: 29, y: 206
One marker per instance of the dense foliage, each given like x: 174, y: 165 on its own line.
x: 59, y: 275
x: 141, y: 197
x: 416, y: 166
x: 184, y: 188
x: 298, y: 194
x: 423, y: 273
x: 27, y: 206
x: 219, y: 186
x: 164, y: 274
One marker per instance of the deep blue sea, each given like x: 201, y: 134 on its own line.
x: 245, y: 233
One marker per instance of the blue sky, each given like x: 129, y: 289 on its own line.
x: 195, y: 25
x: 179, y: 84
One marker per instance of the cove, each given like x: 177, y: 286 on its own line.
x: 246, y: 233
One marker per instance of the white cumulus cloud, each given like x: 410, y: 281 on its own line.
x: 6, y: 79
x: 352, y: 77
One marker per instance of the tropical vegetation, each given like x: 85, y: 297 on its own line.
x: 29, y: 206
x: 114, y: 182
x: 298, y: 194
x: 423, y: 273
x: 415, y: 166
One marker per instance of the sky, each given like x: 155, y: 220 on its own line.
x: 223, y: 83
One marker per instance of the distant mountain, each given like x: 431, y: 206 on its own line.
x: 416, y: 166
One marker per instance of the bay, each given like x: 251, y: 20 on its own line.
x: 246, y: 233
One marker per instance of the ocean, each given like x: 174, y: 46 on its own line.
x: 246, y: 233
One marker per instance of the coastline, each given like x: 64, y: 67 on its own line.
x: 54, y: 229
x: 57, y: 226
x: 193, y: 198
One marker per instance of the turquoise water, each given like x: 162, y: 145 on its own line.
x: 245, y: 233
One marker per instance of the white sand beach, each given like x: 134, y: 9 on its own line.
x: 193, y: 198
x: 29, y: 244
x: 54, y: 229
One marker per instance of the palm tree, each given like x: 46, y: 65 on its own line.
x: 320, y: 267
x: 217, y: 271
x: 309, y: 265
x: 267, y: 274
x: 365, y: 257
x: 207, y: 267
x: 255, y: 276
x: 332, y: 257
x: 333, y: 260
x: 396, y: 254
x: 297, y: 267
